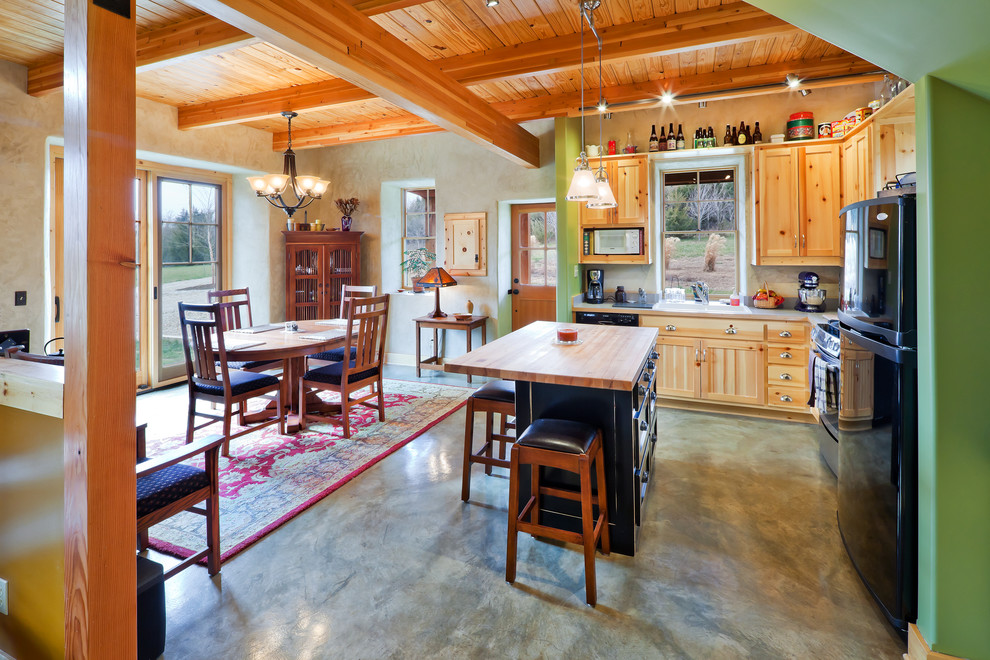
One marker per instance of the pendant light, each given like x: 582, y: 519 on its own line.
x: 304, y: 187
x: 583, y: 186
x: 605, y: 199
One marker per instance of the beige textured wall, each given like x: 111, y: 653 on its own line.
x: 26, y: 123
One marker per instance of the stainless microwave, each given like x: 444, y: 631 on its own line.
x: 617, y: 241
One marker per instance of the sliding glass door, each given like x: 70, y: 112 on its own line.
x: 188, y: 215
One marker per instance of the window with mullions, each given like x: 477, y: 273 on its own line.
x: 419, y: 225
x: 700, y: 235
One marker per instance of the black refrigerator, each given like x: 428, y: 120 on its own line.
x: 878, y: 402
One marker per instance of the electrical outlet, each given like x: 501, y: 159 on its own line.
x: 20, y: 298
x: 3, y: 596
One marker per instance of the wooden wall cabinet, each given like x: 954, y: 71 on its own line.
x: 798, y: 198
x: 857, y: 167
x: 628, y: 176
x: 466, y: 243
x: 317, y: 265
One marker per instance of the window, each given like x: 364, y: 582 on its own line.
x: 700, y: 235
x: 419, y: 228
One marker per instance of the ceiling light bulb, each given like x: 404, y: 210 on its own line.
x: 258, y: 183
x: 602, y: 105
x: 792, y: 80
x: 491, y: 3
x: 667, y: 98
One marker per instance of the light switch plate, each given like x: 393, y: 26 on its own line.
x: 20, y: 298
x: 3, y: 596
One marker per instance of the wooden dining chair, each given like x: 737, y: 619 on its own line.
x: 212, y: 379
x: 236, y: 306
x: 15, y: 353
x: 167, y: 484
x: 347, y: 291
x: 367, y: 319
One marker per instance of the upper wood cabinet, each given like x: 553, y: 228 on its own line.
x: 798, y: 197
x: 857, y: 167
x: 628, y: 176
x: 466, y: 244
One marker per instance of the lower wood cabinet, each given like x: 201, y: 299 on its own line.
x: 727, y: 371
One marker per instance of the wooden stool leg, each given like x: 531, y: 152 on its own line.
x: 468, y: 449
x: 489, y: 428
x: 510, y: 550
x: 588, y: 532
x: 602, y: 501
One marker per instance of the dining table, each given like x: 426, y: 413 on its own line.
x: 272, y: 342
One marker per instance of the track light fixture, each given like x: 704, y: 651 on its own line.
x: 805, y: 92
x: 792, y: 80
x: 667, y: 98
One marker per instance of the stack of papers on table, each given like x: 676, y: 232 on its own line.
x: 236, y: 345
x: 325, y: 335
x: 254, y: 329
x: 340, y: 323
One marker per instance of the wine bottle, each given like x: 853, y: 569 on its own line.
x: 680, y: 136
x: 741, y: 134
x: 728, y: 136
x: 663, y: 139
x: 711, y: 137
x: 654, y: 140
x: 671, y: 138
x: 697, y: 138
x: 757, y: 135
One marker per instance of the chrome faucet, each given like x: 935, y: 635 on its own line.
x: 700, y: 291
x: 642, y: 295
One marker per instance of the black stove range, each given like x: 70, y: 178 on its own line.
x: 826, y: 338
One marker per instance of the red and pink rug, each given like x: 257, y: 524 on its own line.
x: 270, y: 478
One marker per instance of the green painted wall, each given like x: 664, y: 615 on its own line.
x: 567, y: 146
x: 954, y: 451
x: 945, y: 49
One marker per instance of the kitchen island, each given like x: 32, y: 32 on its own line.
x: 606, y: 380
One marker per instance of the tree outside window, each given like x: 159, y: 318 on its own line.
x: 419, y: 224
x: 700, y: 234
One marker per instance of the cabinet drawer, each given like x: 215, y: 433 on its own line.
x: 791, y: 333
x: 795, y: 375
x: 788, y: 397
x: 690, y: 326
x: 788, y: 354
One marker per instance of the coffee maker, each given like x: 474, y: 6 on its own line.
x: 810, y: 297
x: 595, y: 291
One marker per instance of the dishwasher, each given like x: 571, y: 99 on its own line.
x: 606, y: 318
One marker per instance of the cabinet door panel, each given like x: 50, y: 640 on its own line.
x: 778, y: 202
x: 820, y: 232
x: 630, y: 191
x: 677, y: 373
x: 733, y: 371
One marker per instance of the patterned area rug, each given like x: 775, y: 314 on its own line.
x: 270, y: 478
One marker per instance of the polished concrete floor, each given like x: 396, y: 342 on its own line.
x: 739, y: 557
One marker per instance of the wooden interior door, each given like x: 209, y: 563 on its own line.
x: 534, y: 264
x: 677, y: 373
x: 56, y: 246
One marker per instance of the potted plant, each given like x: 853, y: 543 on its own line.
x: 418, y: 261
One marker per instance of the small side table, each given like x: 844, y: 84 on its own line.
x: 446, y: 323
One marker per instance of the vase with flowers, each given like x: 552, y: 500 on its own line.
x: 347, y: 207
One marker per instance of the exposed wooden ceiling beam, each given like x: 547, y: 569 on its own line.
x: 711, y: 27
x: 733, y: 83
x: 339, y: 38
x: 702, y: 28
x: 195, y: 37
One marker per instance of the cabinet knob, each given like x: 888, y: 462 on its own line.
x: 786, y: 377
x: 784, y: 333
x: 730, y: 330
x: 786, y: 355
x: 670, y: 328
x: 786, y: 399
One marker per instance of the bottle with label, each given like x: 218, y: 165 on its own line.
x: 663, y: 139
x: 711, y: 136
x: 697, y: 138
x: 680, y: 136
x: 727, y: 140
x: 757, y: 135
x: 671, y: 138
x: 741, y: 133
x: 654, y: 140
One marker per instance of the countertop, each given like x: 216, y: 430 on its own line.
x: 32, y: 386
x: 608, y: 357
x: 783, y: 313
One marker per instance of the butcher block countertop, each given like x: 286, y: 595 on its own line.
x: 608, y: 357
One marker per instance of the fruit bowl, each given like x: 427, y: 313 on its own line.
x: 767, y: 298
x: 462, y: 317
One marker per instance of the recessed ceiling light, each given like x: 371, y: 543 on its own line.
x: 792, y: 80
x: 491, y: 3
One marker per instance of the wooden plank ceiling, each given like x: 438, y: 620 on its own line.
x: 522, y: 58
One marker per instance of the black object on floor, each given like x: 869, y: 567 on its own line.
x: 150, y: 609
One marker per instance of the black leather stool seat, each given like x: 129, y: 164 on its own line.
x: 558, y: 435
x: 497, y: 390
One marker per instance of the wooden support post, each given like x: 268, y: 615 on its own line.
x: 100, y: 517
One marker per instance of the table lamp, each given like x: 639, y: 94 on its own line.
x: 437, y: 277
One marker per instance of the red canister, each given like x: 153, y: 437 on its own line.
x: 801, y: 126
x: 611, y: 147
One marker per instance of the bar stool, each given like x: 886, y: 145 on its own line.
x: 497, y: 396
x: 566, y: 445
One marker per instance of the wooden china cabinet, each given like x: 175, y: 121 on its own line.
x: 317, y: 265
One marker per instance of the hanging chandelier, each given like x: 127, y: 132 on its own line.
x: 305, y: 188
x: 590, y: 186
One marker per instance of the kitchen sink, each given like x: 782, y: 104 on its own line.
x: 692, y: 307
